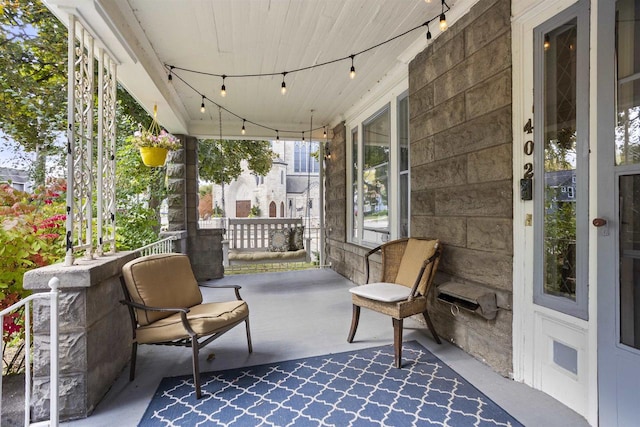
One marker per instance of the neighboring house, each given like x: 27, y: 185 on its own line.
x: 17, y: 178
x: 289, y: 190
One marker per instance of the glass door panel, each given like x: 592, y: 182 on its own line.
x: 629, y: 190
x: 561, y: 87
x: 560, y: 161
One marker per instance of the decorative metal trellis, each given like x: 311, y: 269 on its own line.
x: 82, y: 164
x: 107, y: 97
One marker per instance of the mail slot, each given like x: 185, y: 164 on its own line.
x: 473, y: 298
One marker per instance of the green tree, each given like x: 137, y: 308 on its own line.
x: 33, y: 70
x: 220, y: 160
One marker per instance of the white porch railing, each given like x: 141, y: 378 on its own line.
x: 160, y: 247
x: 53, y: 352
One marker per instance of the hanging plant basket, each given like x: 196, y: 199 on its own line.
x: 154, y: 143
x: 153, y: 156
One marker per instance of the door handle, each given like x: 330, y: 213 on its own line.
x: 601, y: 222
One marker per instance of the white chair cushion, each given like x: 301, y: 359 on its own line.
x: 385, y: 292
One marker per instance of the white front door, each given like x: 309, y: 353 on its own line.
x: 619, y: 217
x: 554, y: 334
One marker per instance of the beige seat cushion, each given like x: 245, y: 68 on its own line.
x: 267, y: 256
x: 385, y: 292
x: 164, y: 280
x: 415, y: 253
x: 205, y: 319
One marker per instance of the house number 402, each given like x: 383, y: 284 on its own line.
x: 526, y: 183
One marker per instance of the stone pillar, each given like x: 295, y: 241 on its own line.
x: 204, y: 247
x: 94, y: 334
x: 176, y: 187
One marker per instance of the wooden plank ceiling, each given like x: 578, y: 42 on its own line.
x: 254, y: 37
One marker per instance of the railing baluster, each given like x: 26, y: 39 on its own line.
x: 53, y: 296
x: 160, y: 247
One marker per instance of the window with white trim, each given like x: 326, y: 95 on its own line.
x: 379, y: 157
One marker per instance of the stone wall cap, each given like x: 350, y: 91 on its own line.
x: 83, y: 273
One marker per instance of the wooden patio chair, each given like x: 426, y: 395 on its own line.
x: 408, y: 269
x: 165, y: 305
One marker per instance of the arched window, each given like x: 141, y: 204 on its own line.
x: 272, y: 210
x: 282, y: 209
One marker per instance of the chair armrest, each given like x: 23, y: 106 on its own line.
x: 236, y: 288
x: 425, y: 263
x: 148, y: 308
x: 366, y: 259
x: 213, y: 285
x: 183, y: 313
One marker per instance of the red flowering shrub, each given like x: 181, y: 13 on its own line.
x: 32, y: 231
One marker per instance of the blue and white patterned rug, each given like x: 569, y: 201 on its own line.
x: 356, y: 388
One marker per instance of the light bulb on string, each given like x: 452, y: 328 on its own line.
x: 427, y: 1
x: 243, y: 131
x: 283, y: 86
x: 223, y: 89
x: 547, y: 42
x: 324, y: 129
x: 443, y: 23
x: 202, y: 109
x: 171, y: 72
x: 277, y: 135
x: 303, y: 135
x: 443, y: 19
x: 428, y: 32
x: 352, y: 72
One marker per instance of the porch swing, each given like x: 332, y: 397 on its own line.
x: 266, y: 240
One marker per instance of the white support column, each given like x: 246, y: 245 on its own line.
x: 100, y: 183
x: 71, y: 43
x: 106, y: 152
x: 81, y: 166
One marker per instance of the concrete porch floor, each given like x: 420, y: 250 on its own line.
x: 306, y: 313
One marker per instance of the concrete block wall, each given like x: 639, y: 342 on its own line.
x: 94, y: 334
x: 461, y: 169
x: 345, y: 258
x: 461, y: 174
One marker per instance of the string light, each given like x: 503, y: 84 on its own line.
x: 223, y: 91
x: 547, y: 43
x: 202, y: 109
x: 352, y: 73
x: 443, y: 19
x: 445, y: 8
x: 303, y: 135
x: 324, y: 129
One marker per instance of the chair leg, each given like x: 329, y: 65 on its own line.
x: 397, y: 341
x: 248, y: 335
x: 431, y: 327
x: 196, y: 366
x: 134, y: 353
x: 355, y: 318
